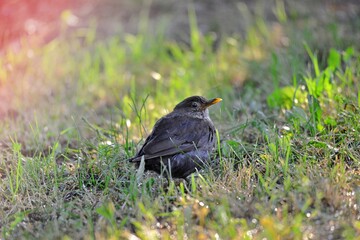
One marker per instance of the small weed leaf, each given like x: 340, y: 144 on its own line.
x: 315, y: 114
x: 334, y: 59
x: 286, y: 97
x: 230, y: 147
x: 149, y: 184
x: 18, y: 218
x: 330, y: 121
x: 16, y: 174
x: 107, y: 210
x: 314, y: 60
x: 297, y: 116
x: 320, y: 84
x: 348, y: 54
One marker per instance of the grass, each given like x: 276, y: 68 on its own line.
x: 287, y: 161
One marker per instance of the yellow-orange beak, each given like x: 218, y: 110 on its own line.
x: 212, y: 102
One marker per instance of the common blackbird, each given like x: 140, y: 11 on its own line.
x: 181, y: 141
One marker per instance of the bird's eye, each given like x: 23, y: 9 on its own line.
x: 194, y: 104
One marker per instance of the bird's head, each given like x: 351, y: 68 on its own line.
x: 196, y: 104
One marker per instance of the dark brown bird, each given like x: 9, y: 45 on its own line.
x: 181, y: 141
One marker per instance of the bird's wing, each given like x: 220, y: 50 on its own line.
x: 177, y: 134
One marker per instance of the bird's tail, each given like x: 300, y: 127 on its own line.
x: 134, y: 159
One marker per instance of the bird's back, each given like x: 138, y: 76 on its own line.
x: 182, y: 141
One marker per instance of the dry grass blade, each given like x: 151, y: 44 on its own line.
x: 141, y: 169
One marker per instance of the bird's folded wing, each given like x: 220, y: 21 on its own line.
x: 174, y: 135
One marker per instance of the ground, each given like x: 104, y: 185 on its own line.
x: 82, y: 85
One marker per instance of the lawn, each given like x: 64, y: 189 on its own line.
x: 287, y: 161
